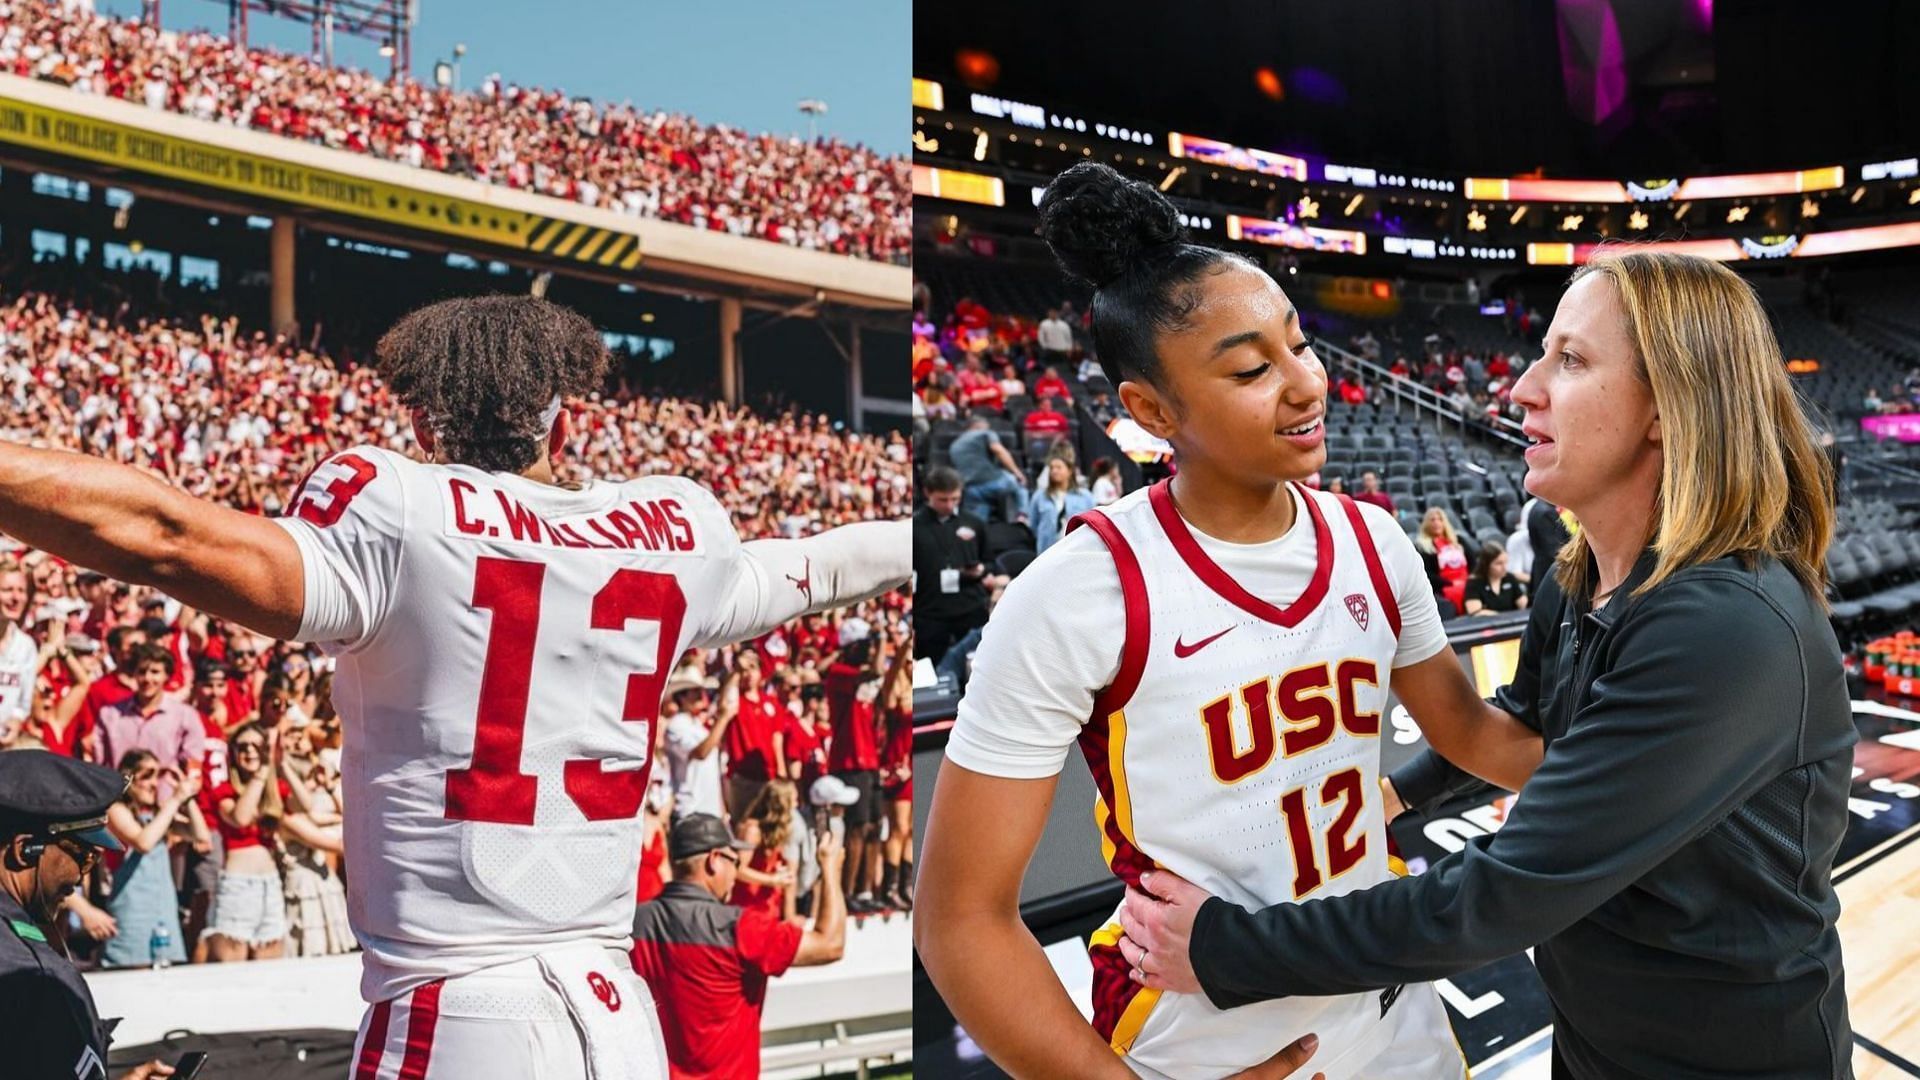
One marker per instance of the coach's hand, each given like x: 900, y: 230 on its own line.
x: 1285, y: 1063
x: 1158, y: 924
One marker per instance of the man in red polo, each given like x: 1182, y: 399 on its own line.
x: 707, y: 962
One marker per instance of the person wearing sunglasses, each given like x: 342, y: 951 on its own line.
x: 53, y: 825
x: 142, y: 898
x: 707, y: 962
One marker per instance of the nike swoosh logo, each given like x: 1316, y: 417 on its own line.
x: 1183, y: 650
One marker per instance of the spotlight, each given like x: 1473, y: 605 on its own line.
x: 1637, y: 220
x: 1476, y: 221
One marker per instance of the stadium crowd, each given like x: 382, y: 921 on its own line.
x: 230, y: 740
x: 823, y: 195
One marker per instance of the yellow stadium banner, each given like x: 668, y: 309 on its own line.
x: 142, y: 150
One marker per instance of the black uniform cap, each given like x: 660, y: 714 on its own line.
x: 48, y: 793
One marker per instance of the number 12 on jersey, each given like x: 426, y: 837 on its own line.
x: 492, y: 788
x: 1346, y: 786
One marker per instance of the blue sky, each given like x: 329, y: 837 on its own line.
x: 740, y: 62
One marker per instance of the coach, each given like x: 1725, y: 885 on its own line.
x: 707, y: 961
x: 1679, y: 721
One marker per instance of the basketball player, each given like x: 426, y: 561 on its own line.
x: 502, y: 643
x: 1219, y: 646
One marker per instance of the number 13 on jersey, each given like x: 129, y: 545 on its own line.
x: 492, y: 788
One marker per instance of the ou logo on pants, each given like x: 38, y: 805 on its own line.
x: 608, y: 993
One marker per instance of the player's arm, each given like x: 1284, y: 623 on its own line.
x: 777, y: 581
x: 975, y: 948
x: 132, y: 526
x: 1463, y: 728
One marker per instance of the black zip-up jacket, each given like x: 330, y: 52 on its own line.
x: 1670, y: 859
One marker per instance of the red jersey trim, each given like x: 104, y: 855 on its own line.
x: 1133, y: 591
x: 1371, y: 556
x: 1222, y: 583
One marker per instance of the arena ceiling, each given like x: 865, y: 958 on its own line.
x: 1487, y: 87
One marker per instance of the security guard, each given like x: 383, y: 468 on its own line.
x: 53, y: 823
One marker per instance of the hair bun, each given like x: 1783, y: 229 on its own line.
x: 1099, y: 223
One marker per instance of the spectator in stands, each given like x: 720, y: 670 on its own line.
x: 81, y: 707
x: 754, y: 740
x: 20, y: 654
x: 1520, y: 550
x: 766, y: 879
x: 692, y: 742
x: 1045, y: 426
x: 310, y: 838
x: 249, y: 916
x: 1011, y: 385
x: 171, y: 730
x: 938, y: 401
x: 1100, y: 404
x: 1336, y: 485
x: 141, y: 896
x: 1107, y: 482
x: 896, y: 778
x: 853, y: 753
x: 1370, y: 492
x: 707, y: 963
x: 1492, y: 590
x: 1061, y: 494
x: 979, y: 389
x: 1446, y: 560
x: 653, y: 845
x: 1055, y: 336
x: 949, y: 566
x: 992, y: 477
x: 1051, y: 385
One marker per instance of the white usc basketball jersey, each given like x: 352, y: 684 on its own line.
x: 1239, y: 747
x: 502, y: 645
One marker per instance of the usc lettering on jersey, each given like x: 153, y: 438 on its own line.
x: 1239, y: 747
x: 502, y: 646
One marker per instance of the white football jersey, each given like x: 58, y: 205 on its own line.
x: 502, y: 646
x: 1239, y: 747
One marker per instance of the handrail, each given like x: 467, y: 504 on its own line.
x: 1422, y: 396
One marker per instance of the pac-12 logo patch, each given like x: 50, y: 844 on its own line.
x: 608, y: 994
x: 1357, y: 607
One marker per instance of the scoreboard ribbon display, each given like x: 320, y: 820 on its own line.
x: 155, y: 153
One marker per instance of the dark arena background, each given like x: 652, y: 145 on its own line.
x: 1421, y: 181
x: 201, y: 239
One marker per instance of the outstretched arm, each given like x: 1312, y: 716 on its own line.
x: 777, y: 581
x: 132, y: 526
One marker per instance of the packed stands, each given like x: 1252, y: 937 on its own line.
x: 825, y: 195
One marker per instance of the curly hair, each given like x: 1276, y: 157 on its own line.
x: 484, y: 368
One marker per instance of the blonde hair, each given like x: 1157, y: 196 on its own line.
x: 1740, y: 472
x: 1423, y: 541
x: 773, y: 809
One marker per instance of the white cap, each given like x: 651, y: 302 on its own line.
x: 854, y: 629
x: 830, y: 790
